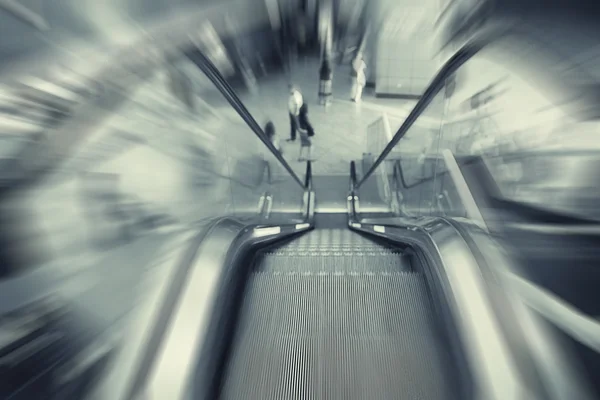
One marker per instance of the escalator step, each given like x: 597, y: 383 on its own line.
x: 329, y: 238
x: 336, y: 332
x: 334, y: 263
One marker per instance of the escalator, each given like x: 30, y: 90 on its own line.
x: 335, y: 315
x: 323, y: 291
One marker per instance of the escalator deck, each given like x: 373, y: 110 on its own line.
x: 334, y: 316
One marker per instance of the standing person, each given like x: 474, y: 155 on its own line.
x: 303, y: 121
x: 360, y: 80
x: 295, y: 102
x: 325, y: 78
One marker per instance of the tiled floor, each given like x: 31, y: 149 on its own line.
x: 341, y: 128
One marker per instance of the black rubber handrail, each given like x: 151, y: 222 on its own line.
x: 352, y: 197
x: 353, y: 177
x: 436, y: 85
x: 308, y: 177
x: 308, y: 182
x: 213, y: 74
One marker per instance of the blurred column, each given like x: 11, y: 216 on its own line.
x: 375, y: 22
x: 275, y: 19
x: 244, y: 65
x: 312, y: 21
x: 326, y: 27
x: 354, y: 37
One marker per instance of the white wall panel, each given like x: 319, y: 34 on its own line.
x: 405, y: 45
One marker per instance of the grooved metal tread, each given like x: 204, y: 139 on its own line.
x: 331, y: 239
x: 332, y: 263
x: 319, y: 331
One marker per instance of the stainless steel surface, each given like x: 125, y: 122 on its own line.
x: 583, y: 328
x: 487, y: 351
x: 559, y: 371
x: 169, y: 379
x: 170, y: 374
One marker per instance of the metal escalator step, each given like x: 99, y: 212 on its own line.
x: 331, y: 238
x: 332, y: 251
x: 334, y: 263
x: 335, y: 332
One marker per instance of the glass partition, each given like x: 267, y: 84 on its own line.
x: 539, y: 150
x: 413, y: 179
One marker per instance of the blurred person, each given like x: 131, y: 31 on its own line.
x: 325, y: 82
x: 272, y: 135
x: 304, y: 123
x: 305, y: 144
x: 360, y: 80
x: 272, y: 168
x: 295, y: 102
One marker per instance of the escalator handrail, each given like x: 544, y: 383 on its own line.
x: 353, y: 177
x: 213, y: 74
x: 352, y: 198
x: 223, y: 86
x: 436, y: 85
x: 308, y: 177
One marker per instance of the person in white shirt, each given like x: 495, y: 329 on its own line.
x: 360, y: 80
x: 295, y: 102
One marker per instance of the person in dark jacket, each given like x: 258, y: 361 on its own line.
x: 304, y: 122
